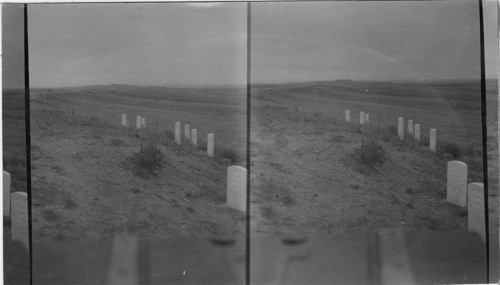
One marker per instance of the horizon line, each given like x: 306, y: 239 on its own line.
x: 202, y: 85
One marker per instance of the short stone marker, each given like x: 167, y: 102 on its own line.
x: 210, y: 144
x: 6, y: 193
x: 138, y: 122
x: 178, y: 132
x: 410, y: 127
x: 19, y: 219
x: 417, y: 131
x: 348, y: 116
x: 237, y: 188
x: 187, y: 134
x: 456, y: 185
x: 367, y: 118
x: 194, y: 136
x: 432, y: 140
x: 362, y: 118
x: 401, y: 131
x: 476, y: 210
x: 124, y: 120
x: 143, y: 122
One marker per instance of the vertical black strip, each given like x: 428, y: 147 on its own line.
x: 28, y: 137
x: 247, y: 240
x: 485, y: 145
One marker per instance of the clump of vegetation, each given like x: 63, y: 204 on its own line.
x: 457, y: 151
x: 149, y: 158
x: 372, y: 153
x: 452, y: 149
x: 226, y: 153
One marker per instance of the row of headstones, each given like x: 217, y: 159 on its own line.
x: 189, y: 135
x: 414, y: 130
x: 193, y: 137
x: 364, y: 118
x: 458, y: 191
x: 15, y: 205
x: 470, y: 195
x: 139, y: 124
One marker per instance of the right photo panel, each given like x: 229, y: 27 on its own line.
x: 366, y: 146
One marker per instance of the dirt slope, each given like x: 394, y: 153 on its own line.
x: 85, y: 184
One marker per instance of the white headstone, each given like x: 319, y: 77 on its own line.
x: 194, y: 136
x: 417, y: 131
x: 6, y: 193
x: 138, y: 122
x: 456, y: 185
x: 433, y: 140
x: 237, y: 188
x: 401, y: 131
x: 178, y: 132
x: 124, y: 120
x: 348, y: 116
x: 210, y: 144
x: 143, y: 122
x: 410, y: 127
x: 187, y: 134
x: 362, y: 118
x: 19, y: 218
x: 367, y: 118
x: 476, y: 210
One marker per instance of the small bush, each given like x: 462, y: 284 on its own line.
x: 372, y: 153
x: 226, y: 153
x: 452, y: 149
x: 149, y: 157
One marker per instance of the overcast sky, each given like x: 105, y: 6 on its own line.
x: 142, y: 44
x: 393, y: 40
x: 172, y: 43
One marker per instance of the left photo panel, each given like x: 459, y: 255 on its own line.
x: 137, y: 124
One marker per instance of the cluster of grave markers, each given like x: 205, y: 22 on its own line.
x: 236, y: 175
x: 413, y: 129
x: 458, y: 191
x: 470, y: 195
x: 192, y: 135
x: 15, y: 205
x: 139, y: 124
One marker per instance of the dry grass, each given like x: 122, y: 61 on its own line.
x: 149, y: 158
x: 372, y: 153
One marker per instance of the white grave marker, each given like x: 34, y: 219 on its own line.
x: 410, y: 127
x: 401, y: 131
x: 187, y: 135
x: 237, y: 188
x: 194, y: 136
x: 348, y: 116
x: 456, y: 185
x: 432, y: 140
x: 138, y: 122
x: 417, y: 131
x: 6, y: 193
x: 143, y: 122
x: 19, y: 220
x: 210, y: 144
x: 475, y: 205
x: 362, y: 118
x: 178, y: 132
x: 124, y: 120
x: 367, y: 118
